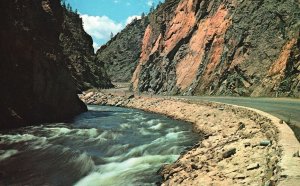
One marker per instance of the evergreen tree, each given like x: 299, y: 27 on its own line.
x: 159, y: 4
x: 63, y: 3
x: 152, y: 9
x: 69, y: 7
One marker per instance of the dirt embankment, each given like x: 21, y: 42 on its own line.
x: 241, y: 147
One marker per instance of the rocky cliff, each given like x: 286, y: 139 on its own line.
x: 221, y: 47
x: 121, y: 54
x: 86, y: 71
x: 35, y: 83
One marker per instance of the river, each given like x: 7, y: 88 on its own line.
x: 104, y: 146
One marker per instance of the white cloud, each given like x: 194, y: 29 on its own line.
x: 96, y: 46
x: 116, y: 1
x: 100, y: 27
x: 131, y: 18
x: 150, y: 2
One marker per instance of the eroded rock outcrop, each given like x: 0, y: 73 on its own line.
x: 36, y: 85
x: 240, y: 48
x: 86, y: 71
x: 121, y: 54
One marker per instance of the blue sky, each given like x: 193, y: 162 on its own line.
x: 103, y: 17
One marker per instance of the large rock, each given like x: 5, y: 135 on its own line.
x: 35, y: 83
x: 240, y: 48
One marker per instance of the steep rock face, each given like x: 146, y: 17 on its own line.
x: 78, y: 46
x: 35, y: 83
x: 240, y: 48
x: 121, y: 54
x: 284, y: 75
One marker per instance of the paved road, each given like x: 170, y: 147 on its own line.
x: 284, y: 108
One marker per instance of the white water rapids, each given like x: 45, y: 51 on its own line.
x: 105, y: 146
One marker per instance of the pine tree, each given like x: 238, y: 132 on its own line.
x: 159, y: 4
x: 69, y: 7
x: 152, y: 9
x: 63, y: 3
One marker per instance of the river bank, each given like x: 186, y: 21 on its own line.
x: 242, y: 146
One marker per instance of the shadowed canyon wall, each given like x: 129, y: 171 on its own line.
x: 221, y: 47
x: 86, y: 70
x: 36, y: 85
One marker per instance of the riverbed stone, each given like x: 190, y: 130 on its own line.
x: 241, y: 125
x: 247, y: 144
x: 253, y: 166
x: 240, y: 176
x: 230, y: 152
x: 296, y: 154
x: 194, y: 166
x: 265, y: 143
x: 88, y: 95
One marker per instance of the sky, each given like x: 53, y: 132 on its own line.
x: 103, y: 17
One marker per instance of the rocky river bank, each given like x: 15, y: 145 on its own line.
x: 241, y: 146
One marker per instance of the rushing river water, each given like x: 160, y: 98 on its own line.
x: 105, y: 146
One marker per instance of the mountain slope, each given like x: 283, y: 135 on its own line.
x: 121, y: 54
x: 240, y: 48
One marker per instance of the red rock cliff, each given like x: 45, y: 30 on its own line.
x: 229, y: 47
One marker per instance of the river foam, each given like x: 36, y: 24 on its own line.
x: 105, y: 146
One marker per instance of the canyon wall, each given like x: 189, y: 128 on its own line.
x: 36, y: 85
x: 221, y: 47
x: 86, y: 70
x: 121, y: 54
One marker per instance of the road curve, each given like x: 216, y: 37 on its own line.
x: 286, y: 109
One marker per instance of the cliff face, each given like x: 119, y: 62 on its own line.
x: 202, y: 47
x: 121, y: 54
x: 86, y: 71
x: 35, y: 83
